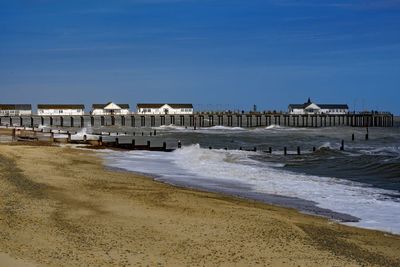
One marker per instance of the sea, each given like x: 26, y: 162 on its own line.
x: 359, y: 186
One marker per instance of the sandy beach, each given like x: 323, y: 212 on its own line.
x: 60, y: 206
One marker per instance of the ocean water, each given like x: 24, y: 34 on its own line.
x: 359, y: 186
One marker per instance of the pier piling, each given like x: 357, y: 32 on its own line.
x: 342, y: 146
x: 298, y: 150
x: 285, y: 151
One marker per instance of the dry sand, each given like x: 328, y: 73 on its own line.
x: 61, y: 207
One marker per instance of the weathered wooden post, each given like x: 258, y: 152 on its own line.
x: 352, y: 137
x: 179, y: 144
x: 270, y: 150
x: 14, y: 134
x: 31, y: 122
x: 117, y: 141
x: 51, y: 136
x: 148, y: 144
x: 142, y: 134
x: 155, y: 133
x: 367, y: 134
x: 342, y: 146
x: 21, y: 121
x: 285, y: 151
x: 84, y: 138
x: 151, y: 133
x: 133, y: 143
x: 164, y: 146
x: 298, y: 150
x: 100, y: 140
x: 69, y: 137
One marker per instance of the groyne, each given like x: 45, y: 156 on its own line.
x: 245, y: 120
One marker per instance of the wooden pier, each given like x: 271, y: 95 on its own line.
x: 200, y: 120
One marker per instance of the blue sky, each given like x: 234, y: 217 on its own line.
x: 217, y: 54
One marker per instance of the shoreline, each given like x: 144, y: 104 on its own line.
x: 199, y: 227
x: 314, y: 210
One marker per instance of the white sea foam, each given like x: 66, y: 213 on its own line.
x: 208, y: 130
x: 273, y: 126
x: 372, y: 205
x: 171, y: 127
x: 81, y: 133
x: 225, y: 128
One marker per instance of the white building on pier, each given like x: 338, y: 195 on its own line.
x: 110, y: 109
x: 164, y: 108
x: 60, y: 109
x: 313, y: 108
x: 15, y: 109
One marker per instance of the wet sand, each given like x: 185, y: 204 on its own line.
x: 62, y: 207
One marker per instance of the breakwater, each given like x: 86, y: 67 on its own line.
x: 246, y: 120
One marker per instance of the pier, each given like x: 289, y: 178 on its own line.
x: 205, y: 119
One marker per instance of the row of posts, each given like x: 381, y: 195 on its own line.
x: 180, y: 144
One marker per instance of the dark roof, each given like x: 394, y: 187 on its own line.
x: 15, y: 107
x: 298, y: 106
x: 101, y: 106
x: 61, y: 106
x: 333, y: 106
x: 157, y: 105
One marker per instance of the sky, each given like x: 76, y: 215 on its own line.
x: 216, y: 54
